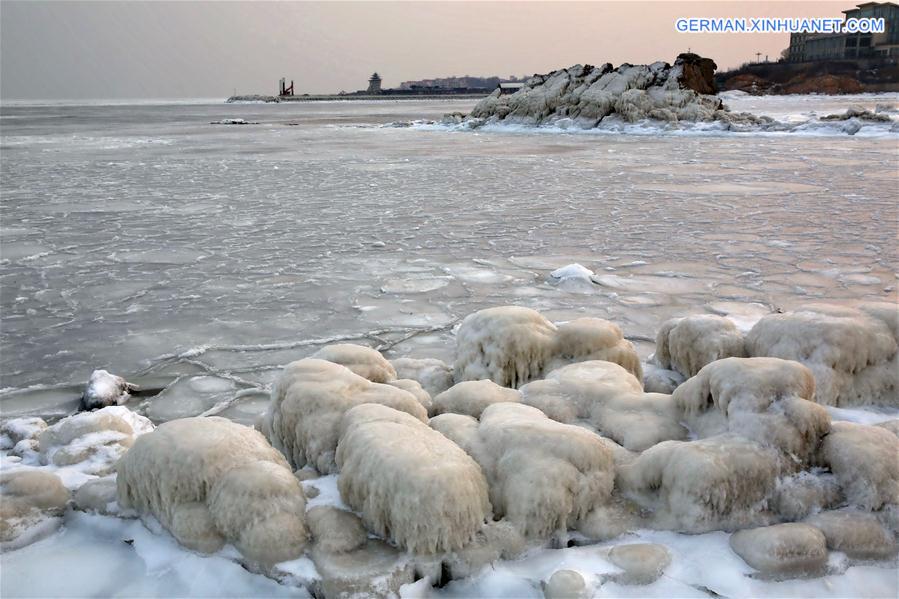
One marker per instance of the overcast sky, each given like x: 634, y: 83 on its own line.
x: 154, y: 49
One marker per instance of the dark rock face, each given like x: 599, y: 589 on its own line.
x: 698, y: 73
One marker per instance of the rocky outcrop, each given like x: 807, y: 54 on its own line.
x: 584, y: 95
x: 697, y: 73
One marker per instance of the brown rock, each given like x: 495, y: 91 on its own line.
x: 698, y: 73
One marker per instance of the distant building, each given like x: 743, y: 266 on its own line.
x: 374, y: 84
x: 451, y: 83
x: 807, y: 47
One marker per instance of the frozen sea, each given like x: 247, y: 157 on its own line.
x: 140, y: 236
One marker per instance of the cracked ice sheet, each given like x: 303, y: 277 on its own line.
x: 270, y: 234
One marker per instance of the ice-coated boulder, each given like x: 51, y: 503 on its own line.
x: 373, y: 570
x: 105, y: 389
x: 857, y: 534
x: 718, y: 483
x: 588, y: 339
x: 209, y: 482
x: 763, y: 399
x: 565, y: 584
x: 92, y: 440
x: 803, y: 493
x: 20, y: 437
x: 415, y: 388
x: 435, y: 376
x: 611, y: 399
x: 660, y: 380
x: 611, y: 520
x: 517, y: 446
x: 496, y: 540
x: 864, y: 460
x: 687, y: 344
x: 335, y: 530
x: 364, y: 361
x: 782, y: 550
x: 31, y: 505
x: 643, y: 563
x: 411, y: 484
x: 97, y: 495
x: 16, y: 430
x: 472, y: 397
x: 511, y: 345
x: 308, y: 401
x: 853, y: 352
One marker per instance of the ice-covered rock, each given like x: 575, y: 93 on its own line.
x: 855, y: 533
x: 16, y: 430
x: 853, y: 352
x: 586, y: 339
x: 97, y: 495
x: 782, y: 550
x: 435, y: 376
x: 611, y: 520
x: 611, y: 399
x: 511, y: 345
x: 494, y: 541
x: 209, y: 482
x: 643, y: 563
x: 864, y: 460
x: 516, y: 446
x: 308, y: 401
x: 411, y: 484
x: 472, y: 397
x: 859, y: 112
x: 565, y: 584
x: 585, y: 95
x: 335, y: 530
x: 803, y: 493
x: 571, y: 271
x: 763, y: 399
x: 94, y: 441
x: 660, y: 380
x: 415, y: 388
x: 373, y: 570
x: 574, y: 277
x: 31, y: 505
x: 718, y: 483
x: 364, y: 361
x: 687, y: 344
x: 105, y: 389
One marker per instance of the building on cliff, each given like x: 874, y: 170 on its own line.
x: 808, y: 47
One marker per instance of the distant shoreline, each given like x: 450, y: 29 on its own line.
x: 260, y: 99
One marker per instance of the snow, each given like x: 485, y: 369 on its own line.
x: 104, y: 556
x: 572, y: 271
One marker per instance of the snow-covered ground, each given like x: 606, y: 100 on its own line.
x: 200, y: 259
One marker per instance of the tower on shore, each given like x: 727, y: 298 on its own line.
x: 374, y: 84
